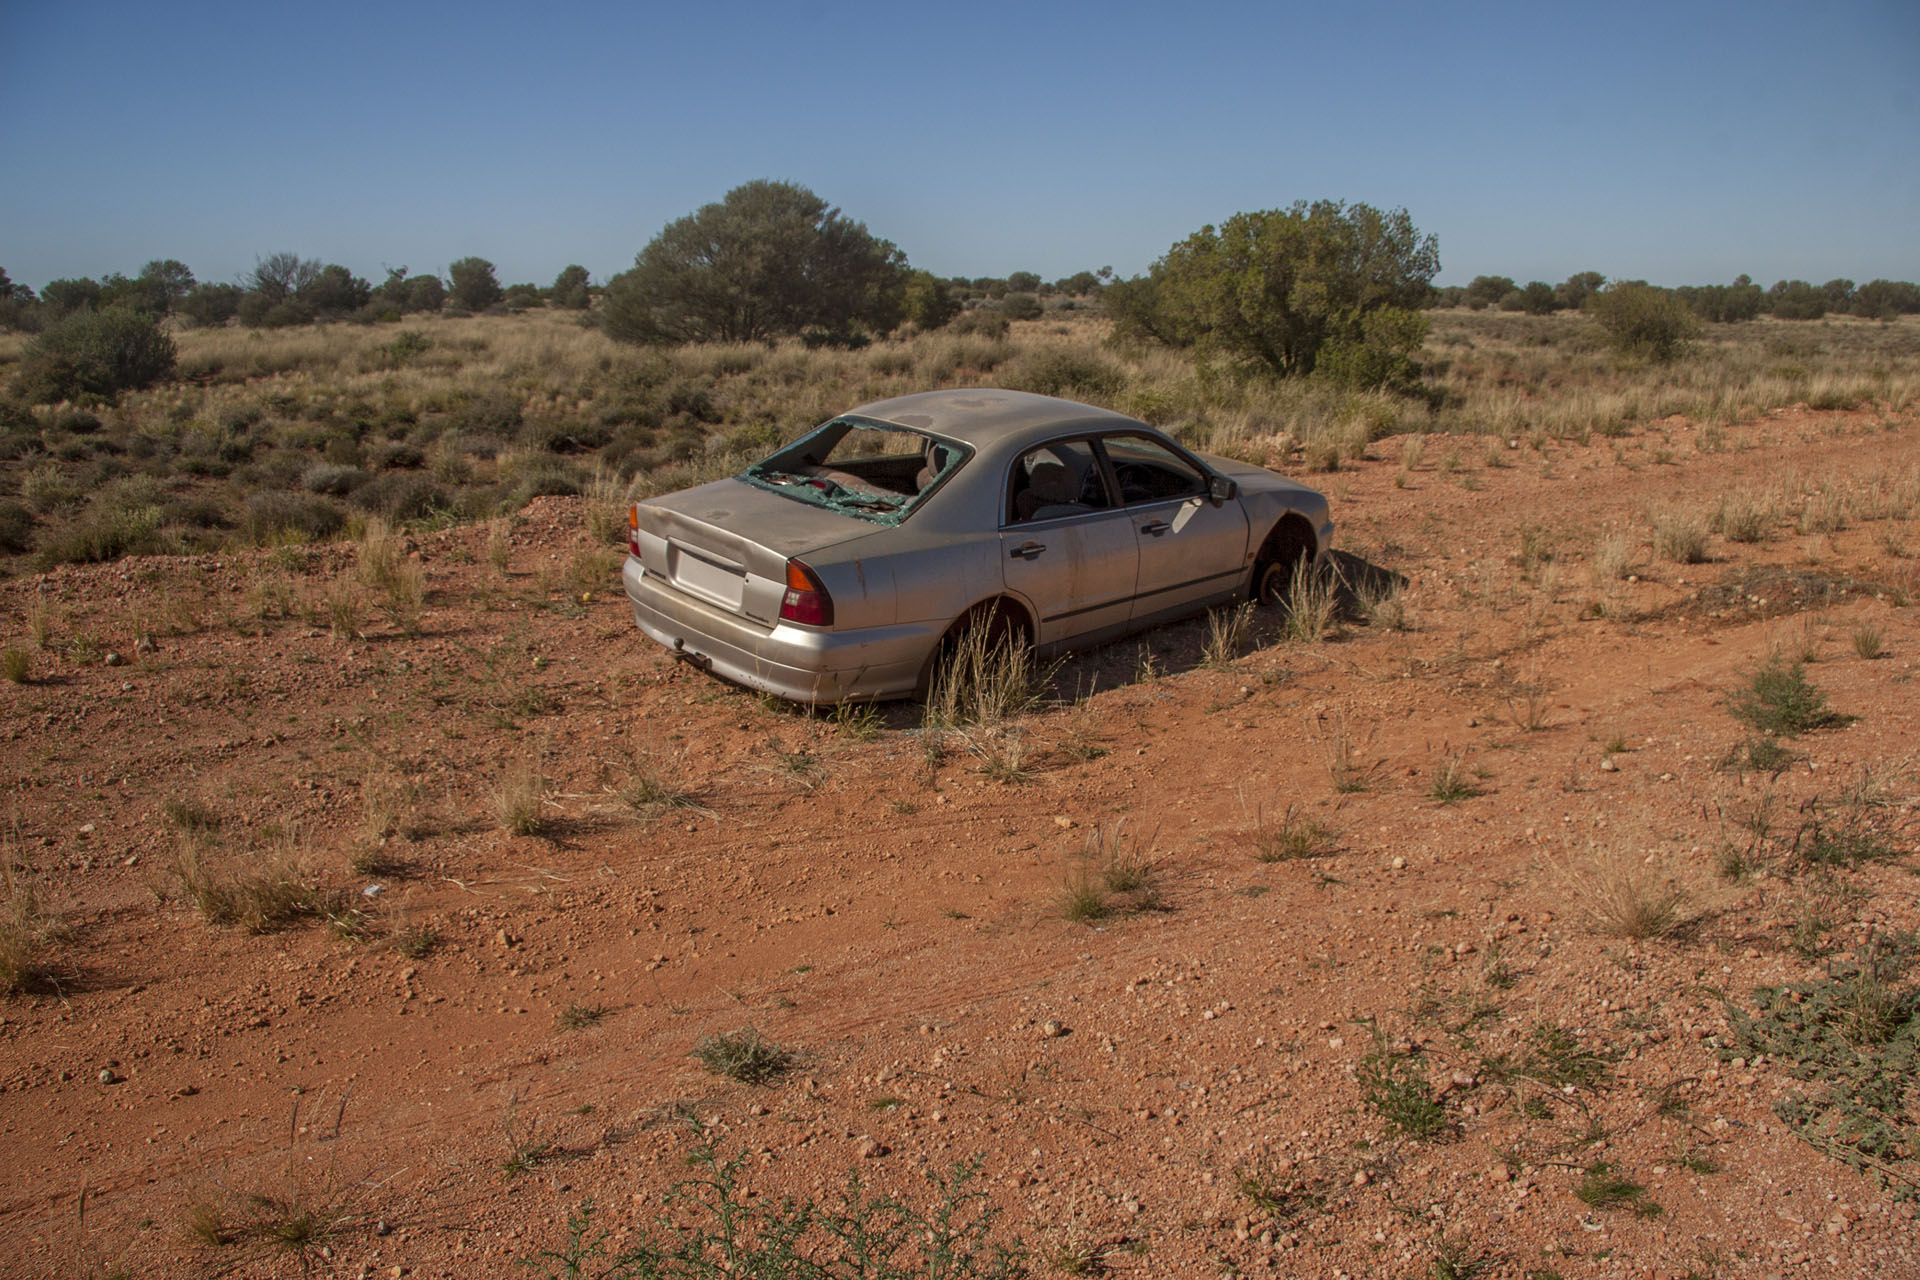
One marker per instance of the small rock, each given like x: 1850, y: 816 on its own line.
x: 107, y: 1077
x: 1062, y: 821
x: 1362, y: 1178
x: 1609, y: 765
x: 870, y: 1147
x: 1500, y: 1173
x: 86, y: 830
x: 1052, y: 1029
x: 114, y: 659
x: 1398, y: 864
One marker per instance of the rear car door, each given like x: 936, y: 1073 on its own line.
x: 1065, y: 547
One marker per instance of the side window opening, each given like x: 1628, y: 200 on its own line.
x: 1059, y: 479
x: 1147, y: 471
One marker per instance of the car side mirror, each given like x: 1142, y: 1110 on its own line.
x: 1222, y: 489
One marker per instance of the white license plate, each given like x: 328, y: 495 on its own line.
x: 712, y: 580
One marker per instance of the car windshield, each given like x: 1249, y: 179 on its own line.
x: 869, y: 470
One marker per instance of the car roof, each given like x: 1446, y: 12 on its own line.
x: 982, y: 416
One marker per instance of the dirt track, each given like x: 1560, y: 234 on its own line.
x: 895, y: 924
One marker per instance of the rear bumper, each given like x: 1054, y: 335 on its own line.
x: 798, y: 663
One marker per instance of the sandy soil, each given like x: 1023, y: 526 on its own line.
x: 895, y: 924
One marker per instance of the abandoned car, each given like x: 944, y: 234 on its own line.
x: 841, y: 566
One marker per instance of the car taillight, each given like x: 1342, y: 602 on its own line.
x: 633, y: 532
x: 806, y: 600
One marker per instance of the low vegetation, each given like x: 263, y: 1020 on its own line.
x: 716, y: 1227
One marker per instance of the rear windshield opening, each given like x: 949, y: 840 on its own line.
x: 869, y: 470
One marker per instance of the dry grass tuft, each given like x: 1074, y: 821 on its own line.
x: 520, y: 799
x: 1625, y: 895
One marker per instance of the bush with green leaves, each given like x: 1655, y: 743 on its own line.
x: 1642, y: 320
x: 95, y: 354
x: 1020, y: 306
x: 772, y: 259
x: 928, y: 303
x: 1271, y: 290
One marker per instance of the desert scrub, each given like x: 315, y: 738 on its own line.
x: 860, y: 1237
x: 1680, y: 537
x: 1852, y: 1038
x: 987, y: 677
x: 1395, y: 1088
x: 520, y: 799
x: 1622, y: 894
x: 1294, y: 837
x: 1779, y: 699
x: 742, y: 1055
x: 1114, y: 873
x: 28, y: 932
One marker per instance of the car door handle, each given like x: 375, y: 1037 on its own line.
x: 1155, y: 527
x: 1027, y: 550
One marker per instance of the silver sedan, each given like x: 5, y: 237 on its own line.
x: 842, y: 565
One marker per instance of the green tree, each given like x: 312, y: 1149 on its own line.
x: 211, y: 303
x: 1539, y: 298
x: 1572, y: 292
x: 475, y: 286
x: 772, y: 258
x: 64, y: 297
x: 1884, y: 299
x: 1642, y: 320
x: 1023, y: 282
x: 1486, y: 291
x: 18, y: 306
x: 1272, y: 289
x: 169, y: 278
x: 1796, y: 300
x: 570, y: 289
x: 336, y: 291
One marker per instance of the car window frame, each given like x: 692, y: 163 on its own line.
x: 1206, y: 472
x: 1100, y: 468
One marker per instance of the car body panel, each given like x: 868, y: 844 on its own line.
x: 712, y: 563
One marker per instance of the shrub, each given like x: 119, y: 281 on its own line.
x: 16, y: 527
x: 1641, y: 320
x: 928, y: 302
x: 400, y: 496
x: 1072, y: 374
x: 770, y: 259
x: 989, y: 324
x: 1020, y: 306
x: 742, y: 1055
x: 95, y: 353
x: 1780, y: 699
x: 570, y: 291
x: 274, y: 517
x: 1272, y: 289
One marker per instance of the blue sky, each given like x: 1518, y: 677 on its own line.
x: 1678, y: 142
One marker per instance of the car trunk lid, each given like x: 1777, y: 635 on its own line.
x: 727, y: 543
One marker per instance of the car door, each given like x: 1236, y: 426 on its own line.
x: 1191, y: 550
x: 1065, y: 547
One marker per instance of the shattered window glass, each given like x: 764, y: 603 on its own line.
x: 869, y: 470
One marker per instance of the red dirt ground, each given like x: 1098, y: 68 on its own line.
x: 896, y: 925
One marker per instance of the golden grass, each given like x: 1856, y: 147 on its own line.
x: 481, y: 402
